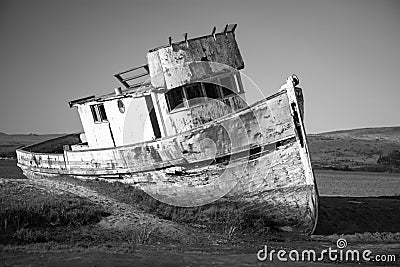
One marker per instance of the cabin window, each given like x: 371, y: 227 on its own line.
x: 98, y: 113
x: 94, y: 113
x: 227, y: 86
x: 194, y: 94
x: 225, y: 89
x: 121, y: 106
x: 175, y: 98
x: 102, y: 112
x: 212, y: 90
x: 227, y: 92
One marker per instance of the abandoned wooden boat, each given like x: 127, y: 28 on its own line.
x: 182, y: 131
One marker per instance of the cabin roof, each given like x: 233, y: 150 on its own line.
x: 228, y: 28
x: 137, y: 91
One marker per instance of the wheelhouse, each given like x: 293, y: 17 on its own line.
x: 183, y: 86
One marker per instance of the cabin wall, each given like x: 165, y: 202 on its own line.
x: 134, y: 125
x: 208, y: 58
x: 194, y: 60
x: 190, y: 118
x: 131, y: 126
x: 97, y: 134
x: 180, y: 120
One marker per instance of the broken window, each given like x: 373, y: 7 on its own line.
x: 98, y: 113
x: 194, y: 94
x: 175, y: 98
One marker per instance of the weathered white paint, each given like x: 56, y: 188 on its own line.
x: 188, y: 118
x: 98, y: 134
x: 79, y: 147
x: 122, y: 128
x: 136, y: 126
x: 197, y: 59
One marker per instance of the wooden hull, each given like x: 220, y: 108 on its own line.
x: 257, y: 158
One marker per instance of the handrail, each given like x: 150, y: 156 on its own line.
x: 134, y: 76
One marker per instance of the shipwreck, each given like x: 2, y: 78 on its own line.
x: 181, y: 130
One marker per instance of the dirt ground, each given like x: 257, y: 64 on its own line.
x: 365, y: 223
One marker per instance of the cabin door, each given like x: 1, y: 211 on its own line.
x: 153, y: 116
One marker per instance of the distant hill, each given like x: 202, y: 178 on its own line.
x: 10, y: 142
x: 367, y: 149
x: 390, y: 133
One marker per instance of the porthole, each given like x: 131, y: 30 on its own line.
x: 121, y: 106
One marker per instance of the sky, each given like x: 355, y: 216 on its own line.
x: 346, y: 54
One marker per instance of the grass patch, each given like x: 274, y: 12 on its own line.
x: 29, y: 214
x: 226, y: 218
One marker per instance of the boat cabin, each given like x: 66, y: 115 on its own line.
x: 182, y: 86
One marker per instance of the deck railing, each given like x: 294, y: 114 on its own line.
x: 133, y: 77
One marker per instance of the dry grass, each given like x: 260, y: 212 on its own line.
x: 143, y: 234
x: 29, y: 214
x: 224, y: 218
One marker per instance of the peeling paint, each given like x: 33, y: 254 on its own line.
x: 163, y: 62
